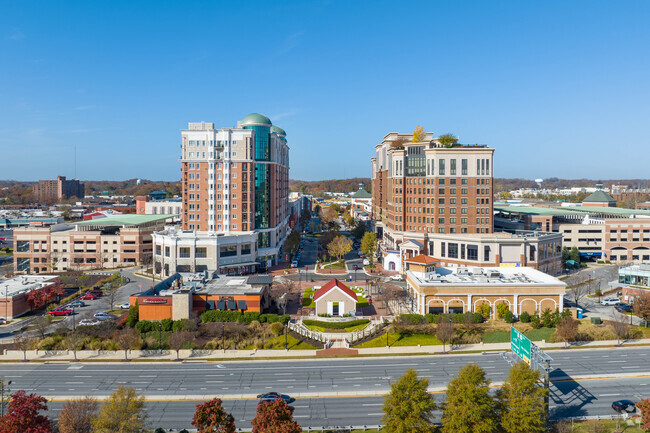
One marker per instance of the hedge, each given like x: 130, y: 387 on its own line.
x: 238, y: 316
x: 336, y: 325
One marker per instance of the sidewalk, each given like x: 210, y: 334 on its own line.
x: 206, y: 355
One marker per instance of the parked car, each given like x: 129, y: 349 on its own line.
x: 77, y: 304
x: 103, y: 316
x: 272, y: 396
x: 610, y: 301
x: 61, y: 311
x: 623, y: 308
x: 366, y: 262
x: 89, y: 297
x: 396, y: 277
x: 3, y: 321
x: 294, y: 264
x: 624, y: 406
x: 88, y: 322
x: 124, y: 306
x: 95, y: 292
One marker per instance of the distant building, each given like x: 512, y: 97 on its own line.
x: 158, y: 195
x: 599, y: 199
x: 634, y: 280
x: 361, y: 203
x: 59, y: 189
x: 14, y: 292
x: 172, y: 206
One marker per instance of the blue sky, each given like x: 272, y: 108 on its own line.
x: 559, y: 88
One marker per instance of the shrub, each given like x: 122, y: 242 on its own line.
x: 524, y: 317
x: 478, y: 318
x: 284, y: 319
x: 220, y: 316
x: 501, y: 310
x: 547, y: 318
x: 431, y: 318
x: 144, y: 326
x: 268, y: 318
x: 535, y: 322
x: 160, y: 430
x: 48, y: 343
x: 336, y: 325
x: 411, y: 319
x: 306, y: 302
x: 167, y: 324
x: 251, y: 316
x: 133, y: 316
x: 484, y: 309
x: 508, y: 317
x: 277, y: 328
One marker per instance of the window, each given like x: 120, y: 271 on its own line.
x: 463, y: 167
x: 441, y: 220
x: 452, y: 167
x: 22, y: 246
x: 441, y: 167
x: 201, y: 252
x: 443, y: 250
x: 472, y: 252
x: 486, y: 254
x: 228, y: 251
x: 452, y: 251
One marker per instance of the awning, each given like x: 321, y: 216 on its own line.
x: 209, y: 305
x: 242, y: 305
x: 221, y: 305
x: 232, y: 305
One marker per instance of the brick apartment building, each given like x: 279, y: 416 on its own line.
x: 59, y: 189
x: 103, y: 243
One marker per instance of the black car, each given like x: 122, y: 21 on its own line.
x: 624, y: 406
x: 623, y: 308
x: 271, y: 396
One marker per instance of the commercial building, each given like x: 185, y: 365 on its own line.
x: 144, y: 206
x: 235, y: 188
x: 15, y: 291
x: 361, y: 204
x: 335, y: 299
x: 187, y: 295
x: 436, y: 289
x: 103, y: 243
x: 634, y: 281
x: 598, y: 232
x: 55, y: 190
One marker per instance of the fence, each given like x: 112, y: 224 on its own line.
x: 299, y: 329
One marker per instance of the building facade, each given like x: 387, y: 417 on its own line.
x: 235, y: 189
x: 435, y: 289
x: 55, y: 190
x: 14, y: 292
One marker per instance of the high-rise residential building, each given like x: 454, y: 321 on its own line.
x: 235, y: 190
x: 61, y: 188
x: 435, y: 198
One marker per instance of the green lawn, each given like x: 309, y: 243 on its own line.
x: 335, y: 265
x: 308, y: 293
x: 503, y: 336
x: 540, y: 334
x: 292, y: 344
x: 395, y: 339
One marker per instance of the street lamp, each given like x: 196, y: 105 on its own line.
x: 160, y: 337
x: 223, y: 336
x: 285, y: 336
x: 387, y: 329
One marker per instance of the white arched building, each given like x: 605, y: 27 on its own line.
x: 435, y: 289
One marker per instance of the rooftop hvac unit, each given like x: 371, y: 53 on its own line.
x: 463, y: 271
x: 495, y: 274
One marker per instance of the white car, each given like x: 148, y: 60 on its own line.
x: 396, y: 277
x: 124, y: 306
x: 103, y: 316
x: 610, y: 301
x: 88, y: 322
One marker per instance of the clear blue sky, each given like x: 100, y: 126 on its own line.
x: 559, y: 88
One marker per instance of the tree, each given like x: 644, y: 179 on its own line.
x: 409, y: 406
x: 369, y: 246
x: 522, y: 402
x: 642, y: 307
x: 644, y: 406
x: 359, y: 230
x: 122, y: 412
x: 621, y: 327
x: 23, y: 414
x: 339, y: 247
x: 76, y: 415
x: 292, y: 243
x: 210, y: 417
x: 447, y: 140
x: 132, y: 318
x: 23, y: 343
x: 574, y: 255
x: 178, y: 339
x: 348, y: 218
x: 41, y: 324
x: 128, y: 339
x: 444, y: 332
x: 275, y: 417
x: 566, y: 329
x: 469, y: 407
x: 73, y: 341
x: 418, y: 134
x: 328, y: 215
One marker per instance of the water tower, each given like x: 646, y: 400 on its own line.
x: 539, y: 183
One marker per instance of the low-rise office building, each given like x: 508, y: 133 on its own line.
x: 634, y: 281
x: 14, y: 292
x: 436, y: 289
x: 187, y: 295
x: 103, y: 243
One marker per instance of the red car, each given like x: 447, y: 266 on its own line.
x: 89, y: 297
x: 97, y: 293
x: 60, y: 312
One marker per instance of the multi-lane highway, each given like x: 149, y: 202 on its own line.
x: 328, y: 391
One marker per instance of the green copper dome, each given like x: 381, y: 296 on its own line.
x: 256, y: 119
x: 278, y: 130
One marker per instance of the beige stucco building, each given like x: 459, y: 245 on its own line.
x: 335, y: 299
x: 435, y: 289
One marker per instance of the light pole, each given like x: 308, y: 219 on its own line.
x: 160, y: 337
x: 387, y: 329
x: 223, y: 336
x: 285, y: 336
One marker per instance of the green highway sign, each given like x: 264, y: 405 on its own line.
x: 520, y: 345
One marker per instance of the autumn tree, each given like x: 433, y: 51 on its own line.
x: 76, y: 415
x: 522, y: 402
x: 126, y: 339
x: 23, y: 414
x: 418, y: 134
x: 444, y: 332
x: 348, y: 218
x: 621, y: 327
x: 359, y: 229
x: 210, y: 417
x: 644, y: 407
x: 369, y: 246
x: 122, y: 412
x: 292, y: 243
x: 566, y: 329
x: 447, y: 140
x: 408, y: 408
x: 642, y: 307
x: 339, y: 247
x: 469, y: 407
x: 275, y: 417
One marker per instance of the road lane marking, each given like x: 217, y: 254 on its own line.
x: 609, y: 395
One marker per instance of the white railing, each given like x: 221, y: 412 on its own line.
x: 373, y: 328
x: 300, y: 329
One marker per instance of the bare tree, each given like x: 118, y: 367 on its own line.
x: 178, y: 339
x: 285, y: 286
x: 566, y: 329
x: 41, y: 324
x: 22, y: 342
x: 76, y: 415
x: 444, y: 332
x: 72, y: 342
x: 580, y: 288
x: 128, y: 338
x: 621, y: 327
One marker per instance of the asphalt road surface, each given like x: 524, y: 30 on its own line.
x: 175, y: 388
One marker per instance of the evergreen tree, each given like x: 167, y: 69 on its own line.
x: 522, y: 401
x: 409, y: 406
x: 469, y: 407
